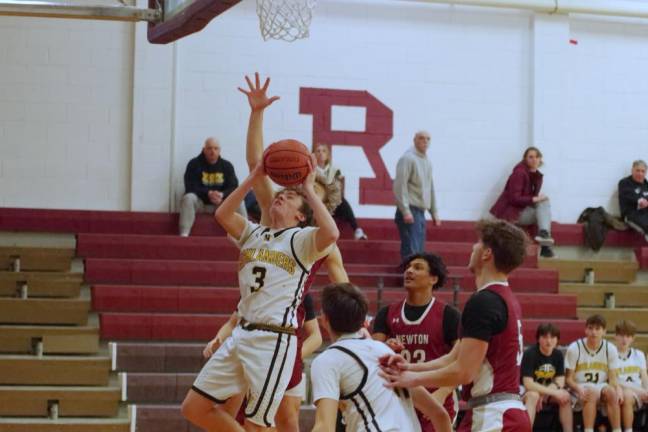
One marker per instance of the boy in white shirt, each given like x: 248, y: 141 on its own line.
x: 346, y: 375
x: 632, y: 372
x: 591, y: 365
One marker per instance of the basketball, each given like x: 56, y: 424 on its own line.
x: 286, y: 162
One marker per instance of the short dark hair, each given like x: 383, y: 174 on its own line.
x: 547, y: 329
x: 345, y: 307
x: 508, y: 243
x: 626, y: 328
x: 596, y: 320
x: 436, y: 266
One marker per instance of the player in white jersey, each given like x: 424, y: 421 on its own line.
x: 632, y: 372
x: 273, y: 265
x: 346, y: 374
x: 591, y: 364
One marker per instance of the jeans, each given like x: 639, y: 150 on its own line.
x: 191, y: 204
x: 412, y: 235
x: 538, y: 214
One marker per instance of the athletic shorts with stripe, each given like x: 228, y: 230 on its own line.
x: 258, y: 361
x: 503, y: 416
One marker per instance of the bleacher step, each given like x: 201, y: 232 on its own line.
x: 41, y: 284
x: 55, y: 339
x: 44, y: 311
x: 32, y: 401
x: 54, y: 370
x: 36, y: 258
x: 604, y: 270
x: 594, y: 294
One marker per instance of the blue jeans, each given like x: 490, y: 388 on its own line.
x: 412, y: 235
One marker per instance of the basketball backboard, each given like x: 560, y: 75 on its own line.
x: 184, y: 17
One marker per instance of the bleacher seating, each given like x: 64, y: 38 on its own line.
x: 159, y: 297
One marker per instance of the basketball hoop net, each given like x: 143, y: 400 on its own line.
x: 287, y: 20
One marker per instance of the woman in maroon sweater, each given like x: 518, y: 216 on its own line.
x: 522, y: 203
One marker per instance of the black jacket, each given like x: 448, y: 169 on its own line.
x: 629, y: 193
x: 201, y: 177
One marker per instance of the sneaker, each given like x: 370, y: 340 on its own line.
x: 184, y: 234
x: 544, y: 238
x: 359, y: 234
x: 546, y: 252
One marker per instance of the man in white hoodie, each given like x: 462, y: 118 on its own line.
x: 414, y: 193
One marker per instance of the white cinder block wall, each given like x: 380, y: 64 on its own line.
x: 486, y: 83
x: 65, y: 113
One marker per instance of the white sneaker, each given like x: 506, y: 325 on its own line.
x: 184, y: 234
x: 359, y: 234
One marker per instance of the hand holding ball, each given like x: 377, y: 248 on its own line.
x: 287, y: 162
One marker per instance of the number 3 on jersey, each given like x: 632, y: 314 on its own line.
x: 259, y: 273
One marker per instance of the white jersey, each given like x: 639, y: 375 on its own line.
x: 630, y: 368
x: 273, y: 267
x: 347, y: 371
x: 591, y: 366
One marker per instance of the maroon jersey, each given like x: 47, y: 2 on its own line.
x: 298, y: 368
x: 424, y: 340
x: 493, y: 314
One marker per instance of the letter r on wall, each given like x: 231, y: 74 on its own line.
x: 379, y: 130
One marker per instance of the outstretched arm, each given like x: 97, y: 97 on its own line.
x: 232, y: 222
x: 258, y: 101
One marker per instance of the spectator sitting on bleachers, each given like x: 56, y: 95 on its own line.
x: 591, y: 365
x: 543, y: 376
x: 633, y: 198
x: 329, y: 174
x: 522, y: 203
x: 632, y: 372
x: 208, y: 180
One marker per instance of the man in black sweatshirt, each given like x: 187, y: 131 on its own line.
x: 208, y: 180
x: 633, y: 197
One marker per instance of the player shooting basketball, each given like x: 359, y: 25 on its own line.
x: 274, y: 263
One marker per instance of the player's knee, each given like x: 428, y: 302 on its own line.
x: 188, y: 199
x: 531, y: 397
x: 628, y: 397
x: 193, y: 407
x: 609, y: 394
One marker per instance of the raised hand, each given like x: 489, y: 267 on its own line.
x: 256, y: 94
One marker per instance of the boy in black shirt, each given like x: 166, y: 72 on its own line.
x: 543, y: 376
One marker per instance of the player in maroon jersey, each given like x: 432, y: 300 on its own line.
x: 487, y: 358
x: 421, y: 327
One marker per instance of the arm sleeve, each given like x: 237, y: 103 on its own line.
x: 516, y: 189
x: 231, y: 182
x: 433, y: 206
x: 380, y: 324
x: 484, y: 316
x: 528, y: 363
x: 451, y: 319
x: 193, y: 181
x: 305, y: 248
x: 560, y: 363
x: 325, y: 378
x: 403, y: 169
x: 309, y: 308
x: 627, y: 196
x: 571, y: 358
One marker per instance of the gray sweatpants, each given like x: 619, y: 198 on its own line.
x: 537, y: 214
x: 192, y: 204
